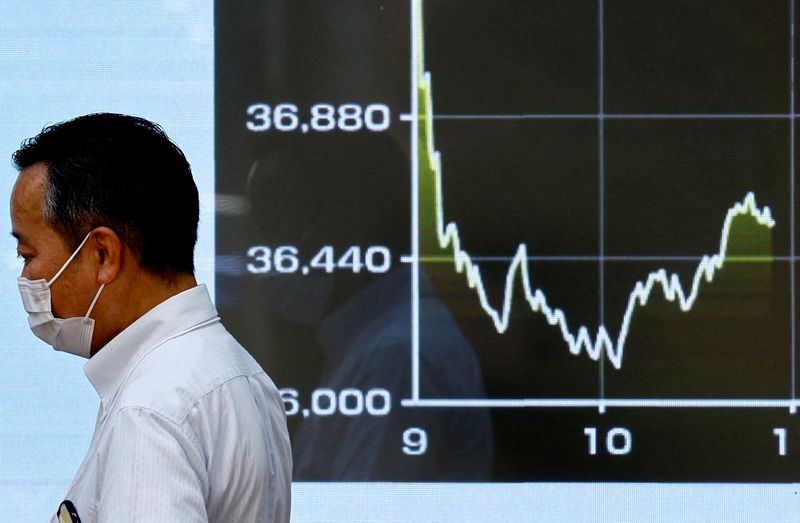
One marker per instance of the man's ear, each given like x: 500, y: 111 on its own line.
x: 109, y: 252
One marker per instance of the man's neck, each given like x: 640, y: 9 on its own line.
x: 128, y: 299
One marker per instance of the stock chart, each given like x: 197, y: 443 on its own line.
x: 515, y: 241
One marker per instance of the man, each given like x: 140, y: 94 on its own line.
x: 190, y: 428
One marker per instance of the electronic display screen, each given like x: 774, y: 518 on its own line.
x: 505, y: 260
x: 525, y: 241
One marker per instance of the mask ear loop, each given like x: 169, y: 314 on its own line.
x: 69, y: 260
x: 96, y: 296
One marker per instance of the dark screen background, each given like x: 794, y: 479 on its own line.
x: 696, y: 105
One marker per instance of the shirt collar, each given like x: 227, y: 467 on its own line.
x: 108, y: 369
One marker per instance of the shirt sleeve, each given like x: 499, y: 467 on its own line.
x: 150, y: 471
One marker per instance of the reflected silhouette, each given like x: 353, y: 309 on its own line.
x: 341, y: 191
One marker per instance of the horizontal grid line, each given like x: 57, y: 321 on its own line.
x: 590, y: 116
x: 761, y: 403
x: 751, y: 259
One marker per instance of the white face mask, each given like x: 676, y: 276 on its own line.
x: 72, y: 335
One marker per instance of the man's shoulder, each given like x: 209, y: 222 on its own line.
x: 174, y: 376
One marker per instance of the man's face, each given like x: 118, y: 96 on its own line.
x: 42, y: 249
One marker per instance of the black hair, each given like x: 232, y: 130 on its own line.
x: 122, y: 172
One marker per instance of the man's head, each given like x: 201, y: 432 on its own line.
x: 120, y: 183
x: 124, y: 173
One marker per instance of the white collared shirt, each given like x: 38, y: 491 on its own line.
x: 190, y: 428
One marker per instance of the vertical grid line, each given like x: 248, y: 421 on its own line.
x: 601, y: 181
x: 792, y: 212
x: 415, y: 21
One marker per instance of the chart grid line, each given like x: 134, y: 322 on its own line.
x: 601, y: 164
x: 415, y: 12
x: 593, y: 403
x: 611, y: 116
x: 594, y: 259
x: 792, y: 212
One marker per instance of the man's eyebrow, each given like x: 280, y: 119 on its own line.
x: 20, y: 238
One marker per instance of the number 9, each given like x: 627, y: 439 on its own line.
x: 415, y: 442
